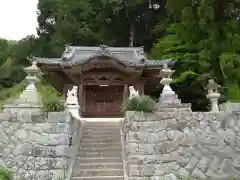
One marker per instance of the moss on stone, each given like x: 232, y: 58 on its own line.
x: 5, y: 174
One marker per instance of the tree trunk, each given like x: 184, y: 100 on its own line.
x: 131, y: 34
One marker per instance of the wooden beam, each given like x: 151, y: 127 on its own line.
x: 109, y: 63
x: 56, y: 81
x: 71, y: 76
x: 103, y: 82
x: 107, y: 75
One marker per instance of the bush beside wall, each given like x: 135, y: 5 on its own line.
x: 49, y: 96
x: 140, y: 103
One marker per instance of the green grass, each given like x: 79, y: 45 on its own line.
x: 10, y: 94
x: 5, y: 174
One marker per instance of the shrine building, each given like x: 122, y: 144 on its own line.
x: 103, y: 75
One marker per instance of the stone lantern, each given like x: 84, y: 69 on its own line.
x: 213, y: 95
x: 30, y: 95
x: 168, y: 96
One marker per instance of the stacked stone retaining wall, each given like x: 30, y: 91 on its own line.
x: 35, y: 145
x: 176, y: 144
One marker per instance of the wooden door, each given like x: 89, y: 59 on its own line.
x: 103, y: 101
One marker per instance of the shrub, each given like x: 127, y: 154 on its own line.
x: 50, y: 97
x: 140, y: 103
x: 233, y: 93
x: 52, y: 104
x: 5, y: 174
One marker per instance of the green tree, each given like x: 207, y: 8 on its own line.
x: 93, y: 22
x: 23, y: 49
x: 204, y: 38
x: 5, y: 46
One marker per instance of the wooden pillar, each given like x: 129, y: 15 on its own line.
x: 84, y: 99
x: 80, y: 98
x: 140, y: 87
x: 65, y: 91
x: 125, y: 92
x: 68, y: 87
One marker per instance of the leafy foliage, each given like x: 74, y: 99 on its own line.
x: 93, y: 22
x: 141, y: 103
x: 205, y: 41
x: 233, y: 93
x: 10, y: 73
x: 11, y: 93
x: 5, y: 174
x: 50, y: 97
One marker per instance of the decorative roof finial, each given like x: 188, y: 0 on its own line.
x: 104, y: 50
x: 165, y: 66
x: 142, y: 50
x: 68, y: 53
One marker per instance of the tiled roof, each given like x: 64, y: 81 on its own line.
x: 74, y: 55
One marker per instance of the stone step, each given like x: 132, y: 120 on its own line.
x: 100, y: 145
x: 108, y: 153
x: 103, y: 140
x: 100, y: 153
x: 104, y: 131
x: 100, y: 149
x: 101, y: 128
x: 94, y: 135
x: 104, y: 126
x: 99, y: 178
x: 108, y: 131
x: 101, y: 136
x: 83, y: 160
x: 98, y: 166
x: 103, y: 123
x: 97, y: 172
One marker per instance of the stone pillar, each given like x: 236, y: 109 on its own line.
x: 167, y: 96
x: 29, y: 98
x: 213, y: 95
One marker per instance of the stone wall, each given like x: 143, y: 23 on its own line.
x: 35, y: 145
x: 173, y: 144
x: 230, y: 106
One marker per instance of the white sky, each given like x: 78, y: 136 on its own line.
x: 18, y: 18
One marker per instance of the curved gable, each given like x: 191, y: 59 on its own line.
x: 104, y: 61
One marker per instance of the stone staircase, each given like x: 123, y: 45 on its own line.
x: 100, y: 153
